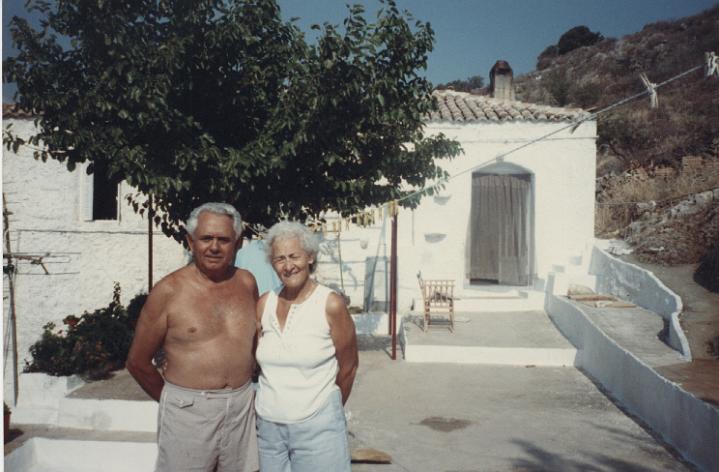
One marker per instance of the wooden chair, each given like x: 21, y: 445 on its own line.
x: 437, y: 296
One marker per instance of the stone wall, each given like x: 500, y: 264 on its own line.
x: 81, y: 259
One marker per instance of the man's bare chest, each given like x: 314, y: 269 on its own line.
x: 210, y: 317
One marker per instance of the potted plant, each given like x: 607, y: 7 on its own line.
x: 6, y: 423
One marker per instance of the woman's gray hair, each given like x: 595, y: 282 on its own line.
x: 218, y: 209
x: 289, y: 230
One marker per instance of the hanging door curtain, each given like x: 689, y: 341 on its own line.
x: 500, y: 236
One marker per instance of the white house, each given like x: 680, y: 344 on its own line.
x: 512, y: 209
x: 71, y: 236
x: 498, y: 223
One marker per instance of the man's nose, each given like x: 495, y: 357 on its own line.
x: 215, y: 245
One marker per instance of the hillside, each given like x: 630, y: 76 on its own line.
x: 592, y: 77
x: 657, y: 168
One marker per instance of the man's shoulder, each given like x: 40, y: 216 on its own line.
x: 244, y: 277
x: 172, y: 282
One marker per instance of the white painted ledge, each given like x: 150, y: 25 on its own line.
x: 637, y: 285
x: 683, y: 420
x: 46, y: 455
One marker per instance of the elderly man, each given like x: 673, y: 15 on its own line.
x: 203, y: 316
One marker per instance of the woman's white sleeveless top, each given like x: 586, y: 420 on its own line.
x: 299, y: 366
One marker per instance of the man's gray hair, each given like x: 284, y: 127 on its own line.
x: 289, y: 230
x: 218, y: 209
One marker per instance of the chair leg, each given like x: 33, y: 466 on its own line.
x: 426, y: 319
x: 451, y: 317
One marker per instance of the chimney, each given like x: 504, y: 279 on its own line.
x: 500, y: 81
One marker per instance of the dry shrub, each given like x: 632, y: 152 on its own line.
x: 620, y: 202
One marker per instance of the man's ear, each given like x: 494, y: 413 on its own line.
x: 188, y: 238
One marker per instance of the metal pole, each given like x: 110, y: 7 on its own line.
x: 393, y: 287
x: 11, y: 295
x: 339, y: 255
x: 150, y: 217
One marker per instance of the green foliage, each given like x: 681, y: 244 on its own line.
x: 471, y: 83
x: 558, y: 85
x: 577, y: 37
x: 222, y: 100
x: 572, y: 39
x: 585, y: 95
x: 545, y: 58
x: 91, y: 345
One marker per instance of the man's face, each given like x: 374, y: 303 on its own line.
x: 214, y: 242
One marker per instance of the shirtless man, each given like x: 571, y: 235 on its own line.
x: 203, y: 316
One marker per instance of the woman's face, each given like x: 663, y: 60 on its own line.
x: 291, y: 262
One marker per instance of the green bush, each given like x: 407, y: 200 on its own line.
x: 577, y: 37
x: 92, y: 345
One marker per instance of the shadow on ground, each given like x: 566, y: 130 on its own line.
x: 542, y: 460
x: 377, y: 343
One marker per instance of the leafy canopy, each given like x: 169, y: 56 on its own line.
x: 219, y: 100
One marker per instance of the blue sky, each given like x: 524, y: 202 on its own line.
x: 470, y: 35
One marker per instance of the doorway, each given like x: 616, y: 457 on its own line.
x: 500, y: 229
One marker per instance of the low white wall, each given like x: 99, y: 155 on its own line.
x: 41, y: 396
x: 684, y: 421
x: 81, y: 456
x: 632, y: 283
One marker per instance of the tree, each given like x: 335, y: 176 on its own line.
x: 577, y: 37
x: 223, y: 100
x: 471, y: 83
x: 572, y: 39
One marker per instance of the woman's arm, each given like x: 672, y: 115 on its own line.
x: 342, y: 330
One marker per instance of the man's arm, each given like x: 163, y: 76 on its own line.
x: 149, y: 337
x: 342, y: 330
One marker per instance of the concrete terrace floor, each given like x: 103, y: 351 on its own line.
x: 527, y: 329
x: 446, y: 417
x: 468, y: 418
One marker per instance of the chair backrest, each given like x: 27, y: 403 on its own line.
x: 436, y: 292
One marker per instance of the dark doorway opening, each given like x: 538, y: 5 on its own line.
x: 500, y: 229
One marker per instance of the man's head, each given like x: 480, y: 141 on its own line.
x: 213, y: 234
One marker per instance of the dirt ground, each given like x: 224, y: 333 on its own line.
x: 700, y: 321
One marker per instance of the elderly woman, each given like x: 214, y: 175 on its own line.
x: 307, y: 352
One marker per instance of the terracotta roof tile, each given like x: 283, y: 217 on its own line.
x: 9, y: 110
x: 464, y: 107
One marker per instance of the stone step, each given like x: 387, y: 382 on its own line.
x: 499, y: 301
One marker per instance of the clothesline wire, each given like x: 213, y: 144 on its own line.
x: 574, y: 124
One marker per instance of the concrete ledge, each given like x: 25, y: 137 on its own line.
x: 491, y: 355
x: 632, y: 283
x: 40, y: 395
x: 682, y: 420
x: 41, y: 455
x: 108, y: 415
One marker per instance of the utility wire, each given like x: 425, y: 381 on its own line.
x: 574, y: 124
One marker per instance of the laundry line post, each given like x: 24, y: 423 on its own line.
x: 150, y: 217
x: 393, y: 284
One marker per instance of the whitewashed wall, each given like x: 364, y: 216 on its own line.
x: 433, y: 238
x: 84, y: 257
